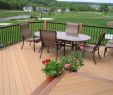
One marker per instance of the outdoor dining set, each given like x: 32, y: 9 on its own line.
x: 71, y: 37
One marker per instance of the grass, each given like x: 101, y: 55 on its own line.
x: 12, y: 35
x: 87, y: 18
x: 4, y: 13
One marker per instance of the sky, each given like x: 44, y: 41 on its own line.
x: 98, y: 1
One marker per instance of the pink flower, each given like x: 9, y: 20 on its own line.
x: 67, y: 65
x: 81, y: 47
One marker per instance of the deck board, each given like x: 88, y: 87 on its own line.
x: 13, y: 86
x: 6, y: 80
x: 82, y: 86
x: 23, y: 72
x: 20, y: 87
x: 20, y: 73
x: 1, y: 73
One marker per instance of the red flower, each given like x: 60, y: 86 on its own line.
x: 43, y: 62
x: 67, y: 65
x: 46, y: 61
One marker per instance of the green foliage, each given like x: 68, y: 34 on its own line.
x: 74, y: 60
x: 104, y: 7
x: 53, y: 68
x: 18, y: 4
x: 111, y: 9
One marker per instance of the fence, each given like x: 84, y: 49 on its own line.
x: 11, y: 34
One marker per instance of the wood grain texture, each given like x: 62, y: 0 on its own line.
x: 21, y: 74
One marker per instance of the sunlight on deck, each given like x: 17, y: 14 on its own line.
x: 20, y: 70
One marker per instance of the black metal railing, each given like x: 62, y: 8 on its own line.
x: 56, y: 26
x: 35, y: 26
x: 95, y: 31
x: 11, y: 34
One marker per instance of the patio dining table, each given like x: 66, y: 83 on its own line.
x: 72, y: 38
x: 66, y: 37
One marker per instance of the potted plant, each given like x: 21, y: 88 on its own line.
x: 73, y: 61
x: 51, y: 69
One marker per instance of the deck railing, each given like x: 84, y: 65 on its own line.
x: 93, y: 31
x: 11, y: 34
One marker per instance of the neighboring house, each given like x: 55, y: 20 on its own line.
x: 28, y: 8
x: 58, y: 11
x: 42, y: 9
x: 67, y: 10
x: 96, y: 6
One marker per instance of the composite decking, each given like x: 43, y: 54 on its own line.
x: 20, y: 72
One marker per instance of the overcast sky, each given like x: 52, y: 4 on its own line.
x: 100, y: 1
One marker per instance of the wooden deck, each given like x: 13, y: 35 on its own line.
x: 20, y: 72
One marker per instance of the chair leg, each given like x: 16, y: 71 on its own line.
x: 99, y: 54
x: 94, y: 57
x: 105, y: 50
x: 64, y: 48
x: 72, y: 47
x: 48, y: 49
x: 34, y: 46
x: 22, y: 44
x: 41, y: 50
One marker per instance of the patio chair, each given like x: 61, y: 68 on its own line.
x: 27, y: 35
x: 108, y: 45
x: 93, y: 48
x: 49, y: 39
x: 72, y: 29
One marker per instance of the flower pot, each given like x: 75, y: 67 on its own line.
x: 49, y: 78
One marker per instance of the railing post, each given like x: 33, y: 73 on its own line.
x: 45, y: 24
x: 80, y: 28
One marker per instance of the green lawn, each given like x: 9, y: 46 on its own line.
x: 87, y: 18
x: 4, y: 13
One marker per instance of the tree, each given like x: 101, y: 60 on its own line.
x: 111, y: 9
x: 104, y: 7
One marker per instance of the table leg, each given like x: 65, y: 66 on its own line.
x: 64, y: 48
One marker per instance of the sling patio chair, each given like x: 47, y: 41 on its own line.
x: 93, y: 48
x: 49, y: 39
x: 72, y: 29
x: 108, y: 45
x: 27, y: 35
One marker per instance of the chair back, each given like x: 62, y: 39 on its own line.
x: 100, y: 39
x: 24, y: 28
x: 72, y: 29
x: 48, y: 38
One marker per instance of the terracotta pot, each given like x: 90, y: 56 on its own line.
x: 49, y: 78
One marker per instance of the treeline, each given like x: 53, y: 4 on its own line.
x: 18, y: 4
x: 53, y: 5
x: 12, y: 4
